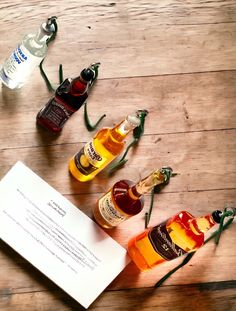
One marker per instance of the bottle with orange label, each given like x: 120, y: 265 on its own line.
x: 107, y: 144
x: 126, y: 199
x: 181, y: 234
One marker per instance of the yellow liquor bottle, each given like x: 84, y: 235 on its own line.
x: 107, y: 144
x: 126, y: 199
x: 181, y: 234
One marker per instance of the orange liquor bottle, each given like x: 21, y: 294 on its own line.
x: 181, y: 234
x: 125, y: 199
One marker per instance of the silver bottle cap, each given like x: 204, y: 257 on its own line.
x: 49, y: 27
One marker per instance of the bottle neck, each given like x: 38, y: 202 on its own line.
x: 202, y: 224
x: 41, y: 37
x: 121, y: 130
x: 45, y: 32
x: 78, y: 87
x: 145, y: 185
x: 133, y: 193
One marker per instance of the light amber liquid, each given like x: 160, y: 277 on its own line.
x: 145, y: 257
x: 107, y: 143
x: 101, y: 220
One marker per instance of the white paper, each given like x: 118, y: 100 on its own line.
x: 56, y: 237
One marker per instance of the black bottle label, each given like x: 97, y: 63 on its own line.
x: 56, y: 113
x: 88, y: 160
x: 163, y: 244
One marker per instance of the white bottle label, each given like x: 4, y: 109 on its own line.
x: 20, y: 64
x: 109, y: 212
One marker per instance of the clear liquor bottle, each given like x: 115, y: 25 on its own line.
x: 17, y: 69
x: 126, y: 199
x: 106, y: 145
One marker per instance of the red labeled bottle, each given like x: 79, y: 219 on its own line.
x: 181, y: 234
x: 126, y: 199
x: 69, y: 97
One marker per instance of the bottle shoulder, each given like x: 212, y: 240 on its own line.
x: 102, y: 132
x: 122, y: 198
x: 180, y: 230
x: 109, y: 143
x: 36, y: 49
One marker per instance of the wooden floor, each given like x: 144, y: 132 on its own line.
x: 178, y: 60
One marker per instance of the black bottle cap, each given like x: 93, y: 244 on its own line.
x: 87, y: 74
x: 217, y: 216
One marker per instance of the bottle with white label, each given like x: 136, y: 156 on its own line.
x: 183, y: 233
x: 107, y: 144
x: 125, y: 199
x: 17, y: 69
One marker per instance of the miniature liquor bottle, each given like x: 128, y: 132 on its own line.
x: 17, y: 69
x: 69, y: 97
x: 125, y: 199
x: 106, y: 145
x: 181, y: 234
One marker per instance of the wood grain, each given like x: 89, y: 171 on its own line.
x: 210, y: 296
x: 176, y: 104
x: 176, y: 59
x: 204, y: 161
x: 130, y: 39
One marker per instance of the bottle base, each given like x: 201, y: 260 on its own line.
x: 9, y: 83
x: 76, y: 174
x: 136, y: 257
x: 40, y: 123
x: 100, y: 220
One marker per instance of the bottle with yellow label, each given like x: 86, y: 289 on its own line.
x: 107, y: 144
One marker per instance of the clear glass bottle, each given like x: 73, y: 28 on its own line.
x: 181, y: 234
x: 125, y: 199
x: 107, y: 144
x: 17, y: 69
x: 69, y: 97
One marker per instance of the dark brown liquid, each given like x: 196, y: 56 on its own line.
x: 124, y: 202
x: 121, y: 194
x: 53, y: 118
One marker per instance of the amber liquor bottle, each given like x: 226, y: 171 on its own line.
x: 69, y: 97
x: 125, y: 199
x: 181, y: 234
x: 107, y: 144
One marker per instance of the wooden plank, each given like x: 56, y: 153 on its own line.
x: 129, y: 39
x: 182, y: 103
x: 204, y: 161
x: 20, y: 276
x: 178, y: 298
x: 210, y: 296
x: 160, y: 13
